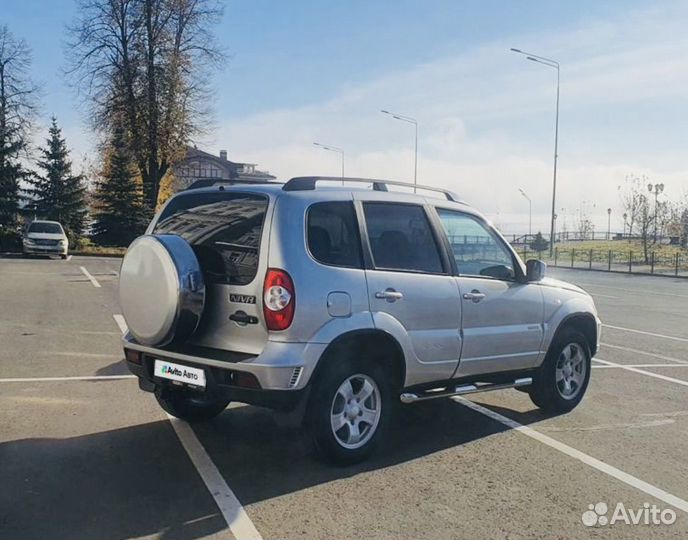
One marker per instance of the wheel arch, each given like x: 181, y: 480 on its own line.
x: 583, y: 322
x: 384, y: 347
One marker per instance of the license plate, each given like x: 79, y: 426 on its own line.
x: 177, y: 372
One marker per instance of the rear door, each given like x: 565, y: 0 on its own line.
x: 410, y: 289
x: 225, y: 230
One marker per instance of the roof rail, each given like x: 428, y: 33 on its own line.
x: 306, y: 183
x: 210, y: 182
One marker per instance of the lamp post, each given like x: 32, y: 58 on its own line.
x: 553, y: 64
x: 413, y: 121
x: 530, y: 213
x: 657, y: 189
x: 609, y: 223
x: 333, y: 149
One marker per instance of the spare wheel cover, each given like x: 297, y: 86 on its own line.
x: 161, y: 289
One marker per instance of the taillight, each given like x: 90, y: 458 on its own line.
x: 279, y: 299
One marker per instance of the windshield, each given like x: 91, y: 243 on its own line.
x: 44, y: 227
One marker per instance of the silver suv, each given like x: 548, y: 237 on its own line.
x: 335, y: 302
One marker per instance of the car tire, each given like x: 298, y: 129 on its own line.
x: 562, y: 380
x: 189, y: 405
x: 63, y: 257
x: 364, y: 416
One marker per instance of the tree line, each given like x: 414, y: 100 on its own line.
x: 142, y: 70
x: 649, y: 215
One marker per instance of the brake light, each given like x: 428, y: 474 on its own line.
x: 279, y: 299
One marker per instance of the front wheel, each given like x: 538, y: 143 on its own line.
x: 348, y: 411
x: 189, y: 404
x: 563, y: 377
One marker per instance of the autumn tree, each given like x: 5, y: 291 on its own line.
x: 147, y: 63
x: 17, y: 108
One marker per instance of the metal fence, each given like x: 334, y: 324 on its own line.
x: 627, y: 261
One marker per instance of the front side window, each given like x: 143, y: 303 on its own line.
x: 333, y: 234
x: 224, y: 230
x: 401, y: 239
x: 476, y: 249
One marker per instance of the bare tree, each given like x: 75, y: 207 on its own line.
x: 17, y: 107
x: 147, y: 63
x: 631, y: 194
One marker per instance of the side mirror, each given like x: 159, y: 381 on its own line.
x: 535, y: 270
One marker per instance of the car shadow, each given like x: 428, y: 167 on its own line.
x: 138, y: 481
x: 244, y: 440
x: 116, y: 368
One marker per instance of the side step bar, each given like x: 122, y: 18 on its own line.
x: 462, y: 390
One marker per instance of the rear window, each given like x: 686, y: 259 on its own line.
x: 333, y: 234
x: 50, y: 228
x: 224, y: 230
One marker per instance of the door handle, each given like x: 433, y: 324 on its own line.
x: 389, y: 294
x: 475, y: 296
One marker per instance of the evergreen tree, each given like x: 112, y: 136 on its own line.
x: 17, y: 104
x: 11, y: 172
x: 119, y: 210
x: 58, y: 194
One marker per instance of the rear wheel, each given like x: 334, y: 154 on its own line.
x: 349, y: 409
x: 189, y: 404
x: 563, y: 377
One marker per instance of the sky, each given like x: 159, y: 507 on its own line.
x: 303, y: 71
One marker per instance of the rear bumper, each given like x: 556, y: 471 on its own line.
x: 218, y: 381
x: 280, y: 366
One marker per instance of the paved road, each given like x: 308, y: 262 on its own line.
x: 96, y: 458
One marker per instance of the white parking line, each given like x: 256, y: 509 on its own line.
x: 664, y: 336
x: 643, y: 372
x: 69, y: 258
x: 606, y: 366
x: 121, y: 323
x: 654, y: 355
x: 636, y: 291
x: 236, y: 517
x: 59, y: 379
x: 93, y: 280
x: 620, y: 475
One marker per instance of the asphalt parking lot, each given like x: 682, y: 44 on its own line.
x: 85, y: 454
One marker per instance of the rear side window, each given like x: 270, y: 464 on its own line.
x: 401, y: 238
x: 333, y: 234
x: 224, y: 230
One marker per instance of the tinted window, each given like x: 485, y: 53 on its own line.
x: 477, y: 250
x: 223, y: 228
x: 400, y: 238
x: 333, y: 234
x: 50, y: 228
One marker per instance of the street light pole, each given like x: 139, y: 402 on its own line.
x: 415, y: 158
x: 530, y: 213
x: 658, y: 188
x: 333, y: 149
x: 609, y: 223
x: 553, y: 64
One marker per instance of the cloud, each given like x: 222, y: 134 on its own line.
x: 486, y: 119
